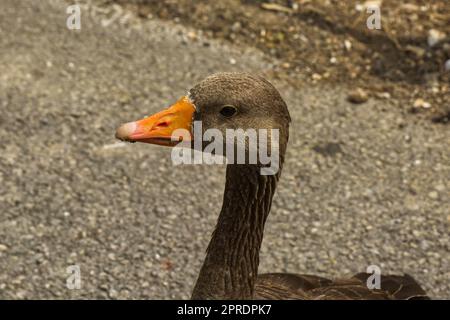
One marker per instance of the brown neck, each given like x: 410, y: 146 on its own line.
x: 231, y: 264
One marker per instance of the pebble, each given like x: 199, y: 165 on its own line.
x: 417, y: 51
x: 447, y: 65
x: 383, y: 95
x: 316, y: 76
x: 192, y: 35
x: 411, y: 204
x: 416, y: 233
x: 111, y: 256
x: 358, y: 96
x: 433, y: 195
x: 113, y: 294
x: 434, y: 37
x: 347, y: 45
x: 420, y: 103
x: 409, y: 7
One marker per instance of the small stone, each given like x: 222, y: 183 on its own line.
x: 3, y: 247
x: 233, y: 61
x: 316, y: 76
x: 357, y: 96
x: 192, y: 35
x: 434, y: 37
x: 424, y: 245
x: 359, y: 7
x: 417, y: 51
x: 411, y: 204
x: 383, y: 95
x: 236, y: 26
x: 447, y: 65
x: 420, y: 103
x: 347, y: 45
x: 372, y: 4
x: 113, y: 293
x: 409, y: 7
x: 433, y: 195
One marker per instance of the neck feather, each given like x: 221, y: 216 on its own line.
x: 231, y: 264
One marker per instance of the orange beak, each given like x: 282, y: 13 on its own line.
x: 161, y: 128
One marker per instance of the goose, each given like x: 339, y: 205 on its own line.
x: 232, y: 100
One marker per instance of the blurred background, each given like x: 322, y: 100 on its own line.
x: 367, y: 176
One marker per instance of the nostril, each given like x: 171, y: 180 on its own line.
x: 162, y: 124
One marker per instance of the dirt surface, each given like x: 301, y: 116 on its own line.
x: 363, y: 183
x: 329, y: 41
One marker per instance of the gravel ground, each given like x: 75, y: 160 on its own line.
x: 329, y: 41
x: 363, y: 184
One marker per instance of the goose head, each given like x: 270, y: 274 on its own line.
x: 220, y: 105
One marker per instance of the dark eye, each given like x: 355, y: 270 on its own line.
x: 228, y: 111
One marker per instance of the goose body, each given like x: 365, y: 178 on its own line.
x: 226, y: 101
x: 308, y: 287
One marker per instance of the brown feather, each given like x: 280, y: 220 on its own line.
x: 277, y: 286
